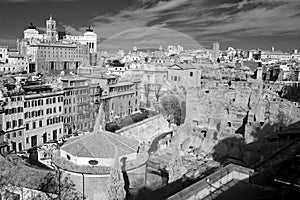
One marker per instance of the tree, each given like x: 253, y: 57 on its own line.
x: 147, y: 94
x: 100, y: 121
x: 16, y: 174
x: 157, y: 91
x: 171, y: 108
x: 115, y: 188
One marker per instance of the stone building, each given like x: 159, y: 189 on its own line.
x: 12, y: 122
x: 88, y: 159
x: 51, y: 53
x: 31, y: 115
x: 122, y: 99
x: 89, y: 38
x: 81, y: 101
x: 14, y: 62
x: 43, y: 115
x: 185, y: 75
x: 3, y: 54
x: 50, y: 57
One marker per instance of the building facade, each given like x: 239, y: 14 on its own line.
x: 12, y: 123
x: 30, y: 117
x: 43, y: 115
x: 50, y: 52
x: 185, y: 75
x: 122, y: 99
x: 81, y: 101
x: 14, y: 63
x: 58, y: 57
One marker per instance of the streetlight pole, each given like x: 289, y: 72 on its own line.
x: 82, y: 186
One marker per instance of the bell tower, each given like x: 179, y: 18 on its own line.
x: 51, y: 29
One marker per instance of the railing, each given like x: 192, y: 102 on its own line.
x: 213, y: 182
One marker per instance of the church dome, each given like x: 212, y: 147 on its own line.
x: 31, y: 31
x: 89, y: 33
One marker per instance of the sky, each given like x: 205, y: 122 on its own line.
x: 246, y: 24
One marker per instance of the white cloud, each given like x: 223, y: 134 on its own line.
x: 200, y: 19
x: 260, y: 21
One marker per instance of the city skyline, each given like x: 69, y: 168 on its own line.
x: 243, y: 24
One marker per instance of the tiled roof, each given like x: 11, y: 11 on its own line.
x: 100, y: 144
x: 183, y: 66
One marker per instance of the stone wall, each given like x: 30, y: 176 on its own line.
x: 95, y: 186
x: 222, y: 108
x: 233, y: 120
x: 146, y: 130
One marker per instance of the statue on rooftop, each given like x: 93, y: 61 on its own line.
x: 31, y: 26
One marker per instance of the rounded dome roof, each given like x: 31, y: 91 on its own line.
x: 31, y: 30
x: 89, y: 33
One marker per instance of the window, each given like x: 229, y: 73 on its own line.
x: 175, y: 78
x: 20, y: 133
x: 59, y: 109
x: 93, y: 162
x: 8, y: 136
x: 27, y: 140
x: 54, y: 99
x: 14, y: 123
x: 20, y: 122
x: 40, y: 123
x: 14, y: 134
x: 27, y: 126
x: 54, y: 110
x: 33, y: 125
x: 191, y: 74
